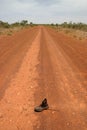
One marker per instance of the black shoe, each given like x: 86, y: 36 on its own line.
x: 41, y: 107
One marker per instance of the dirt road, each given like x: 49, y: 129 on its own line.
x: 36, y: 63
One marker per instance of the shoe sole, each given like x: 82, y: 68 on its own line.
x: 40, y: 109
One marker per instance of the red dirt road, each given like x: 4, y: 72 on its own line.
x: 36, y: 63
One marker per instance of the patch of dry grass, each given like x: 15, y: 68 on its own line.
x: 78, y: 34
x: 9, y: 31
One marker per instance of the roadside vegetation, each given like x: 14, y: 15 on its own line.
x: 71, y: 25
x: 79, y: 26
x: 7, y: 28
x: 76, y: 30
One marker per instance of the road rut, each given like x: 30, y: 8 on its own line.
x: 38, y: 63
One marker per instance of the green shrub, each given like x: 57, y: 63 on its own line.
x: 80, y: 26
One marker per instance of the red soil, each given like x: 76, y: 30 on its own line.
x: 36, y: 63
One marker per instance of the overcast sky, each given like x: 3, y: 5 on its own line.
x: 43, y: 11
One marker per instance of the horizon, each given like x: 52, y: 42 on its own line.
x: 43, y: 23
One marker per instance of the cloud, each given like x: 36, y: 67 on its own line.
x: 48, y: 2
x: 43, y: 11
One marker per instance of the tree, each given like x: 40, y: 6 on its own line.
x: 24, y: 22
x: 31, y: 23
x: 4, y: 24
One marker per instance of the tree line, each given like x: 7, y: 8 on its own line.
x: 79, y: 26
x: 16, y: 24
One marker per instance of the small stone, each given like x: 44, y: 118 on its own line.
x: 10, y: 120
x: 18, y: 93
x: 68, y: 124
x: 31, y: 87
x: 53, y: 112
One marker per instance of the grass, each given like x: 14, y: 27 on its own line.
x: 9, y: 31
x: 75, y: 33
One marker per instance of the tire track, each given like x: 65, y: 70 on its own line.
x: 17, y: 105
